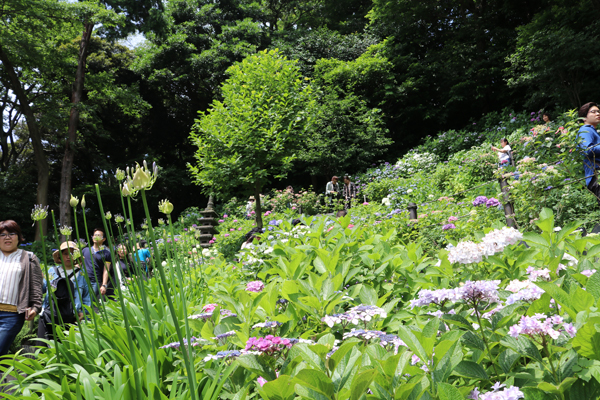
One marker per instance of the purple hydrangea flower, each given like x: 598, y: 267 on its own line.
x: 448, y: 227
x: 492, y: 203
x: 479, y: 200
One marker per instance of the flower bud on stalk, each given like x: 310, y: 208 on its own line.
x: 119, y: 218
x: 83, y: 201
x: 74, y: 201
x: 165, y: 207
x: 108, y: 215
x: 39, y: 212
x: 120, y: 175
x: 66, y: 230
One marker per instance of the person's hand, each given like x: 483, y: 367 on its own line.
x: 80, y: 316
x: 103, y: 290
x: 30, y: 314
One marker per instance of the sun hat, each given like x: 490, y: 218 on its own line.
x: 63, y: 246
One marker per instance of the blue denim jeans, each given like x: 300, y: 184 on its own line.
x: 10, y: 326
x: 95, y: 289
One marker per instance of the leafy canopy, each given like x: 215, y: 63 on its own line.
x: 252, y: 135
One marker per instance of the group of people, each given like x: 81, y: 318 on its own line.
x: 74, y: 283
x: 347, y: 192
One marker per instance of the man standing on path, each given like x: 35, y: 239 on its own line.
x: 590, y: 143
x: 97, y: 263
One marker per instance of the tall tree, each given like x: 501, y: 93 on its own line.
x: 251, y: 136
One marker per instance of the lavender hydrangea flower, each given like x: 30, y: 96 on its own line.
x: 541, y: 325
x: 267, y: 324
x: 448, y: 227
x: 479, y: 200
x: 471, y: 291
x: 175, y: 345
x: 529, y: 294
x: 511, y: 393
x: 223, y: 336
x: 223, y: 354
x: 359, y: 314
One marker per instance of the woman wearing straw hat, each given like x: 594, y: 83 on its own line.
x: 63, y: 307
x: 20, y: 284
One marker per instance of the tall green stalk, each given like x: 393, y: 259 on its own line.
x: 138, y: 386
x: 85, y: 275
x: 188, y: 332
x: 191, y: 372
x: 48, y: 291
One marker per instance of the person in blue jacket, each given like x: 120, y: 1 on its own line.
x: 590, y: 143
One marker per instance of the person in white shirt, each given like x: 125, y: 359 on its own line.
x: 504, y: 152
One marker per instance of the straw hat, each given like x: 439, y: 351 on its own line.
x: 63, y: 246
x: 251, y: 198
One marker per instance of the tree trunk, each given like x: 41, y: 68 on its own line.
x: 34, y: 133
x: 66, y: 174
x: 258, y: 209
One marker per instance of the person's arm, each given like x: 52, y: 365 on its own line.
x: 588, y: 140
x: 36, y: 283
x: 105, y: 278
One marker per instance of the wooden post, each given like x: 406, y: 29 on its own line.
x: 412, y: 210
x: 509, y: 211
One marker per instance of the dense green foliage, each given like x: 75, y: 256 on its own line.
x: 386, y: 74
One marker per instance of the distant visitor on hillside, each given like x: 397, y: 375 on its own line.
x: 503, y: 152
x: 590, y: 143
x: 332, y: 189
x: 350, y: 191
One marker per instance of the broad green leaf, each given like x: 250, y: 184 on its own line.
x: 470, y: 369
x: 361, y: 383
x: 449, y: 392
x: 254, y: 364
x: 412, y: 342
x: 587, y: 341
x: 523, y: 346
x: 315, y: 380
x: 593, y: 285
x: 368, y: 295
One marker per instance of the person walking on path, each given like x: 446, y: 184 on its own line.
x: 590, y: 144
x: 144, y: 257
x: 20, y: 284
x: 65, y: 310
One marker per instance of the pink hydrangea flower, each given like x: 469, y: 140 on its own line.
x: 255, y: 286
x: 452, y: 218
x: 350, y: 226
x: 261, y: 381
x: 209, y: 307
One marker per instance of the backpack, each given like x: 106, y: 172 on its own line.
x: 62, y: 305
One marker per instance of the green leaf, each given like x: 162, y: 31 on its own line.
x: 593, y: 284
x: 523, y: 346
x: 368, y: 295
x: 470, y: 369
x: 412, y: 342
x: 315, y: 380
x: 449, y: 392
x: 473, y: 341
x: 361, y: 383
x: 560, y: 296
x: 254, y: 364
x: 582, y: 300
x: 587, y: 341
x: 507, y: 359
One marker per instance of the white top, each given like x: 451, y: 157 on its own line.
x: 10, y: 276
x: 504, y: 156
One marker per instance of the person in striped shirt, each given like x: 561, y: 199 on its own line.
x: 20, y: 284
